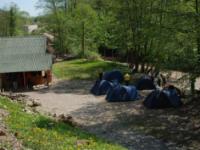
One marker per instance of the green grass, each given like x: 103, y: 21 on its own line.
x: 84, y: 69
x: 42, y: 133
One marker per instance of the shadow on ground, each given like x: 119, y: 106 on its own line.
x: 129, y: 124
x: 138, y: 128
x: 79, y: 87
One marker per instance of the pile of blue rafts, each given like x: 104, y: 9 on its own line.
x: 110, y: 86
x: 165, y: 98
x: 145, y: 83
x: 121, y: 93
x: 101, y: 87
x: 108, y: 81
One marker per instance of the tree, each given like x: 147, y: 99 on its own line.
x: 4, y: 26
x: 148, y: 33
x: 12, y: 21
x: 73, y: 23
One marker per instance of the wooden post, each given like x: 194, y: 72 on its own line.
x: 24, y: 79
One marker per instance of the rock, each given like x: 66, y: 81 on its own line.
x: 27, y: 111
x: 29, y: 102
x: 33, y: 104
x: 80, y: 143
x: 36, y: 104
x: 67, y: 119
x: 34, y: 110
x: 2, y: 133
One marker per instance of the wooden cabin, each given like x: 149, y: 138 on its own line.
x: 24, y: 62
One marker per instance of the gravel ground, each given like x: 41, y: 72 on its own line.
x: 94, y: 114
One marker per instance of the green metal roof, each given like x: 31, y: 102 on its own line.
x: 22, y: 45
x: 24, y: 54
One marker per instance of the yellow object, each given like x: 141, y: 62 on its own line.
x: 127, y: 77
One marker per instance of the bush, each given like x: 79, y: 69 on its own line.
x: 91, y: 55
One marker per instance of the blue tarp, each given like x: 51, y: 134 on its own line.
x: 101, y: 87
x: 163, y: 99
x: 109, y: 80
x: 122, y: 93
x: 114, y: 75
x: 145, y: 83
x: 173, y: 96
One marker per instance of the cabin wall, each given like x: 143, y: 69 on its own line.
x: 38, y: 78
x: 24, y: 80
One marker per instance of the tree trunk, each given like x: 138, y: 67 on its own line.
x: 75, y: 3
x: 83, y: 39
x: 142, y: 67
x: 192, y: 83
x: 136, y: 67
x: 66, y: 6
x: 197, y: 28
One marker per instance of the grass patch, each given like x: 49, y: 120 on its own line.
x: 42, y: 133
x: 85, y: 69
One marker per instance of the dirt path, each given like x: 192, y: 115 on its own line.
x: 107, y: 120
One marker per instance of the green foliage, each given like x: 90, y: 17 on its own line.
x: 13, y: 21
x: 91, y: 55
x: 42, y: 133
x: 4, y: 25
x: 85, y: 69
x: 66, y: 24
x: 161, y: 33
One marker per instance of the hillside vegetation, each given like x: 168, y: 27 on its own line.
x: 85, y: 69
